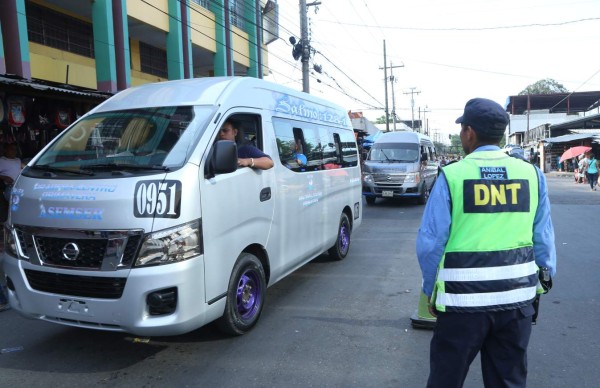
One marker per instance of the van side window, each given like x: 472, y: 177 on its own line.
x: 249, y: 129
x: 432, y: 154
x: 332, y: 156
x: 312, y: 149
x: 425, y: 153
x: 290, y: 145
x: 322, y: 147
x: 348, y: 147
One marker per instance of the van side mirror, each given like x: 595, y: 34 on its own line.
x: 222, y: 159
x: 424, y: 157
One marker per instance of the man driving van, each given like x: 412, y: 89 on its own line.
x: 248, y: 155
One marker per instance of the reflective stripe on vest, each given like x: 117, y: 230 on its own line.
x: 513, y: 298
x: 488, y: 262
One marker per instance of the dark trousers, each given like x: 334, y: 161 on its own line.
x: 501, y: 337
x: 592, y: 179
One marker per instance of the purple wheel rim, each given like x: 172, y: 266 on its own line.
x: 249, y: 295
x: 344, y: 239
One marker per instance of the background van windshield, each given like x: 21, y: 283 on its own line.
x: 396, y: 152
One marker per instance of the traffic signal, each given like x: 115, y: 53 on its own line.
x: 296, y: 48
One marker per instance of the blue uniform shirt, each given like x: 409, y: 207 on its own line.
x: 249, y: 151
x: 435, y: 229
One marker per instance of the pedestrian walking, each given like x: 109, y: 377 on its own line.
x: 485, y: 235
x: 592, y: 170
x: 582, y: 166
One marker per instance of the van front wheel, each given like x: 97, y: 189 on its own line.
x: 245, y: 296
x: 424, y: 195
x: 342, y: 245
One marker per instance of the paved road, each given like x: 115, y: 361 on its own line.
x: 332, y: 324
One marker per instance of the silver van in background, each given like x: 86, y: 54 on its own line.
x: 400, y: 164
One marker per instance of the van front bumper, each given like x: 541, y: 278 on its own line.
x: 128, y: 312
x: 408, y: 190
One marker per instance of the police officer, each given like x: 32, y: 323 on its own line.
x: 485, y: 234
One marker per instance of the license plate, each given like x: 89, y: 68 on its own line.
x: 387, y: 193
x: 74, y: 306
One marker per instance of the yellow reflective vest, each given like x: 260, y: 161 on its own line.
x: 488, y: 263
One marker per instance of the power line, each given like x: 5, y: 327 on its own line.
x: 252, y: 23
x: 569, y: 95
x: 354, y: 82
x: 468, y: 29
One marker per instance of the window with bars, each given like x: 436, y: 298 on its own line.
x: 53, y: 29
x: 203, y: 3
x: 236, y: 10
x: 153, y: 60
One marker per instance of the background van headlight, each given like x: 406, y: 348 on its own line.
x: 367, y: 178
x: 10, y: 243
x: 171, y: 245
x: 412, y: 177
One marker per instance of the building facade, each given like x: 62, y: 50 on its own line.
x: 59, y: 58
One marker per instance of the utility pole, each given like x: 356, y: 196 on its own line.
x: 426, y: 126
x: 412, y: 105
x: 305, y: 43
x: 387, y: 115
x: 391, y: 79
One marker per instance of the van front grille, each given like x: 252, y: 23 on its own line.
x: 97, y: 250
x: 388, y: 179
x: 75, y: 285
x: 92, y: 252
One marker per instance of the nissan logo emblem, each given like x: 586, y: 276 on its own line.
x: 70, y: 251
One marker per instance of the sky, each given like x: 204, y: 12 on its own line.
x: 449, y: 52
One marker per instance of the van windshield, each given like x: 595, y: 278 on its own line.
x: 134, y: 140
x: 394, y: 152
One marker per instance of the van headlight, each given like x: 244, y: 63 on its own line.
x: 171, y: 245
x: 367, y: 178
x: 10, y: 243
x: 412, y: 177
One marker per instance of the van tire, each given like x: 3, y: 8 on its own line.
x: 342, y: 244
x: 424, y: 195
x: 245, y: 296
x: 370, y: 200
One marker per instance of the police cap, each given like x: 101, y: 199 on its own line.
x: 486, y: 117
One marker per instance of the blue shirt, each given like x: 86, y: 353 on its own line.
x: 435, y: 229
x: 249, y: 151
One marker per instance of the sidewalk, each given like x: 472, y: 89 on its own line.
x: 558, y: 174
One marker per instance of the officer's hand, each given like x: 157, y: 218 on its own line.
x: 431, y: 308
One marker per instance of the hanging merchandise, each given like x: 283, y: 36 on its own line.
x: 16, y: 111
x: 63, y: 117
x: 2, y: 110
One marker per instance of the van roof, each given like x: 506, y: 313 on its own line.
x: 228, y: 91
x: 402, y: 137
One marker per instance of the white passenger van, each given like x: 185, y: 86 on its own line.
x: 400, y: 164
x: 137, y: 219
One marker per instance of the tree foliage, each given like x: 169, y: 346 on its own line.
x: 544, y: 86
x: 380, y: 120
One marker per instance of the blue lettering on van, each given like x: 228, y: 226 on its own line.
x: 296, y: 107
x: 71, y: 213
x: 15, y: 198
x: 67, y: 187
x: 59, y: 196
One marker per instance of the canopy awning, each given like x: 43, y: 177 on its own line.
x: 587, y: 122
x: 571, y: 137
x: 34, y: 87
